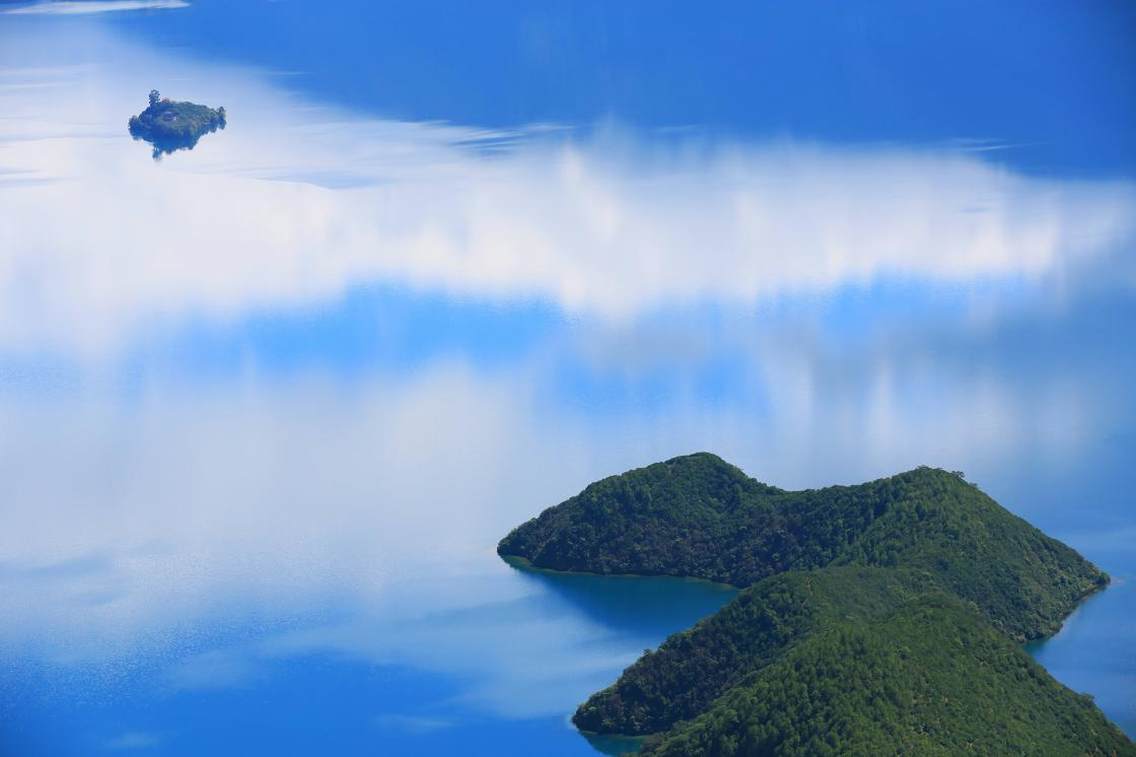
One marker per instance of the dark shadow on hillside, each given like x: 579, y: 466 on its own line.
x: 650, y: 605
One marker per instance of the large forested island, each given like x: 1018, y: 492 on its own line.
x: 170, y: 125
x: 883, y: 618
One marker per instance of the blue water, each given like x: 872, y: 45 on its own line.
x: 267, y: 405
x: 262, y: 689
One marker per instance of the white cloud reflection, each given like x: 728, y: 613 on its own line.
x: 359, y: 520
x: 125, y: 521
x: 358, y: 526
x: 81, y: 7
x: 294, y: 204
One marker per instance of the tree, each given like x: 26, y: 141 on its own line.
x: 155, y: 97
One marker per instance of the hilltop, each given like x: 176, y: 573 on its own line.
x: 698, y: 516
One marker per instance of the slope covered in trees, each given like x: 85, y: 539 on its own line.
x: 931, y: 678
x: 691, y: 669
x: 700, y: 517
x: 878, y: 619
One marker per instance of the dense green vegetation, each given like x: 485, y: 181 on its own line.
x: 878, y: 619
x: 170, y: 125
x: 931, y: 678
x: 699, y: 516
x: 692, y: 669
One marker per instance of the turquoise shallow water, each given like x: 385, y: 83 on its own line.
x: 267, y: 405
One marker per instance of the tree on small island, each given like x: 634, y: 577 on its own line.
x: 170, y: 126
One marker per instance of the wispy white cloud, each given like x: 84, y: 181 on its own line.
x: 75, y: 7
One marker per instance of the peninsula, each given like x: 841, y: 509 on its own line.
x: 882, y: 618
x: 170, y: 126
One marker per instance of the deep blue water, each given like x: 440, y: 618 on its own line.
x: 266, y: 406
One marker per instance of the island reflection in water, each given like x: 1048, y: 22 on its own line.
x: 267, y: 409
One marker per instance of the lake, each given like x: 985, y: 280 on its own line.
x: 267, y: 405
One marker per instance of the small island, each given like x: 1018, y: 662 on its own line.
x: 884, y: 618
x: 170, y: 126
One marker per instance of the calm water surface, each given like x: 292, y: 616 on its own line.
x: 267, y: 405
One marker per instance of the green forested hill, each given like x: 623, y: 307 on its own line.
x: 692, y: 669
x: 878, y: 619
x: 932, y: 678
x: 698, y: 516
